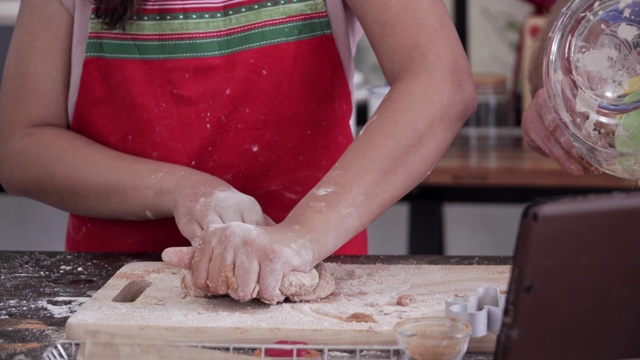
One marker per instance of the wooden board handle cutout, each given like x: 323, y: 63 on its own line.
x: 132, y: 291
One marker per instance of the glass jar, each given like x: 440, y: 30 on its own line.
x: 592, y: 78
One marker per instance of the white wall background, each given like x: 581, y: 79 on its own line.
x: 29, y: 225
x: 492, y: 34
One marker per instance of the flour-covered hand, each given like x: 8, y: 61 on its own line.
x: 202, y: 202
x: 244, y: 261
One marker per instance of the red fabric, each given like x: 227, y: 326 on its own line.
x: 542, y: 6
x: 356, y: 246
x: 242, y: 117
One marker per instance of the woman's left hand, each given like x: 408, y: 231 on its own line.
x: 543, y: 133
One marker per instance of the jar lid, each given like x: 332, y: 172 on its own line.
x: 487, y: 83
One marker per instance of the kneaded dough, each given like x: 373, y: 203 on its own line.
x: 297, y: 286
x: 315, y: 290
x: 299, y: 283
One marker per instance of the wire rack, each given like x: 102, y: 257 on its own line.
x: 68, y: 350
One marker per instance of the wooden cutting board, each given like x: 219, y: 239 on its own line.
x: 146, y: 299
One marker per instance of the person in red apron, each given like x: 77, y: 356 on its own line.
x: 219, y: 130
x: 258, y: 100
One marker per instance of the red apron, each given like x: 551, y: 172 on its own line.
x: 253, y: 92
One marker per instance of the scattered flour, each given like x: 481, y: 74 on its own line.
x: 63, y: 306
x: 325, y: 191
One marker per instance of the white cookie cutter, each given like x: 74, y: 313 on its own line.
x: 482, y: 311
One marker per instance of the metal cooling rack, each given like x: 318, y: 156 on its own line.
x: 68, y: 349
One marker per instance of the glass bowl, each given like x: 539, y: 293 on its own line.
x: 591, y: 77
x: 433, y: 338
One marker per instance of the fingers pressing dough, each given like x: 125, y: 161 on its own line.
x: 297, y: 286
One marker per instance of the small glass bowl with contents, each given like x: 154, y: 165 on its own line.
x: 592, y: 78
x: 433, y: 338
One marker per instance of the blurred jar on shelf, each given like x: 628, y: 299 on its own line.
x: 491, y: 124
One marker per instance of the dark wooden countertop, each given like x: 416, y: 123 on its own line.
x: 32, y: 283
x: 39, y: 289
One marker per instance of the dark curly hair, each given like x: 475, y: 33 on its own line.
x: 115, y: 13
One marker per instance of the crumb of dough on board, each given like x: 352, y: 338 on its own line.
x: 360, y: 317
x: 405, y: 300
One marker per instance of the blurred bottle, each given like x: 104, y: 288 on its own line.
x: 490, y: 125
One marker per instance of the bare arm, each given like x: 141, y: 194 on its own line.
x: 42, y: 159
x: 431, y: 96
